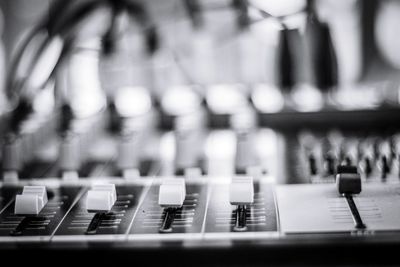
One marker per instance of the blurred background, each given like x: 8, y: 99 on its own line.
x: 200, y: 76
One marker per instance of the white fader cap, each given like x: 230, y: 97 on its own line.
x: 31, y: 201
x: 172, y: 192
x: 101, y: 197
x: 241, y: 191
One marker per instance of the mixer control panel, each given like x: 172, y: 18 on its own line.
x: 196, y: 210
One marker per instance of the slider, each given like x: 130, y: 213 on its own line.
x: 241, y: 193
x: 171, y: 197
x: 348, y: 183
x: 30, y: 203
x: 100, y: 199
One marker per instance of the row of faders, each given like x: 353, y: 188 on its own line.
x: 195, y: 209
x: 162, y: 209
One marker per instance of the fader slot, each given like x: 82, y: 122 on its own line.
x: 260, y: 216
x: 43, y: 224
x: 187, y: 219
x: 79, y: 222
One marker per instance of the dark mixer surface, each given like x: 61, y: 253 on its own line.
x: 193, y: 133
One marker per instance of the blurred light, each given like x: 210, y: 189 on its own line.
x: 45, y: 65
x: 44, y: 100
x: 281, y: 7
x: 168, y: 147
x: 387, y: 31
x: 244, y: 119
x: 84, y: 90
x: 94, y: 25
x: 327, y: 8
x: 266, y: 31
x: 307, y: 98
x: 220, y: 150
x: 267, y: 141
x: 180, y: 100
x: 226, y: 98
x: 189, y: 121
x: 358, y: 97
x: 267, y: 98
x: 132, y: 101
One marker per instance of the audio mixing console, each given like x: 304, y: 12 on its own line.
x: 189, y: 132
x: 207, y: 217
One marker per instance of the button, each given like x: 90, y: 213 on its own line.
x: 10, y: 177
x: 71, y: 176
x: 172, y: 192
x: 31, y: 201
x: 348, y: 180
x: 241, y: 191
x: 255, y: 171
x: 101, y: 197
x: 192, y: 173
x: 131, y: 174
